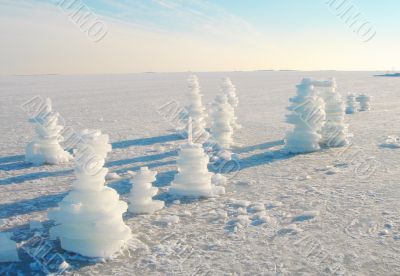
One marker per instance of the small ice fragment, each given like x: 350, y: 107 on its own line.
x: 291, y: 229
x: 240, y: 221
x: 308, y: 215
x: 388, y: 226
x: 112, y: 176
x: 187, y: 213
x: 240, y: 203
x: 241, y: 211
x: 273, y: 204
x: 63, y: 266
x: 256, y: 207
x: 225, y: 155
x: 172, y: 219
x: 222, y: 214
x: 218, y: 179
x: 392, y: 142
x: 384, y: 232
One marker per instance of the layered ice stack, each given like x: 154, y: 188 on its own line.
x: 142, y: 192
x: 364, y: 101
x: 46, y: 148
x: 196, y: 110
x: 230, y: 91
x: 193, y: 178
x: 221, y: 127
x: 89, y: 219
x: 351, y: 104
x: 334, y: 131
x: 308, y: 116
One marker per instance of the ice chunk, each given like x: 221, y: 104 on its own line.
x: 291, y: 229
x: 256, y: 207
x: 218, y: 179
x: 392, y: 142
x: 240, y: 203
x: 112, y: 176
x: 308, y: 215
x: 171, y: 219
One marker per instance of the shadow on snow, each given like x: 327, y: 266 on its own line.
x: 146, y: 141
x: 33, y: 176
x: 145, y: 158
x: 27, y: 206
x: 262, y: 146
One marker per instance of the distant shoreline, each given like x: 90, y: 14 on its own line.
x: 388, y: 75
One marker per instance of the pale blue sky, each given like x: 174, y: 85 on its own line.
x: 198, y: 35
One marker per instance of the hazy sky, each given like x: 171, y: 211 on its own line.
x: 124, y: 36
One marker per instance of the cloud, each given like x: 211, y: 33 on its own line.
x: 190, y: 17
x: 40, y: 38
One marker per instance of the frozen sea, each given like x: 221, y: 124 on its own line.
x: 332, y: 212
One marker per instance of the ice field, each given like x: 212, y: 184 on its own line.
x: 331, y: 212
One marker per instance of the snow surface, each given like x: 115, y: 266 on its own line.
x: 325, y: 213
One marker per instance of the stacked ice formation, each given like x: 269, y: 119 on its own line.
x: 46, y: 148
x: 89, y: 219
x: 196, y: 110
x: 142, y: 192
x: 221, y: 128
x: 308, y: 116
x: 351, y: 104
x: 364, y: 101
x: 230, y: 91
x: 193, y: 178
x: 334, y: 131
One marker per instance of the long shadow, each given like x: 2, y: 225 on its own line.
x: 14, y: 162
x: 122, y: 186
x: 38, y: 175
x: 49, y: 201
x: 15, y: 166
x: 150, y: 166
x: 146, y: 158
x: 146, y: 141
x: 262, y: 159
x: 163, y: 178
x: 32, y: 176
x: 30, y: 205
x: 12, y: 158
x: 262, y: 146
